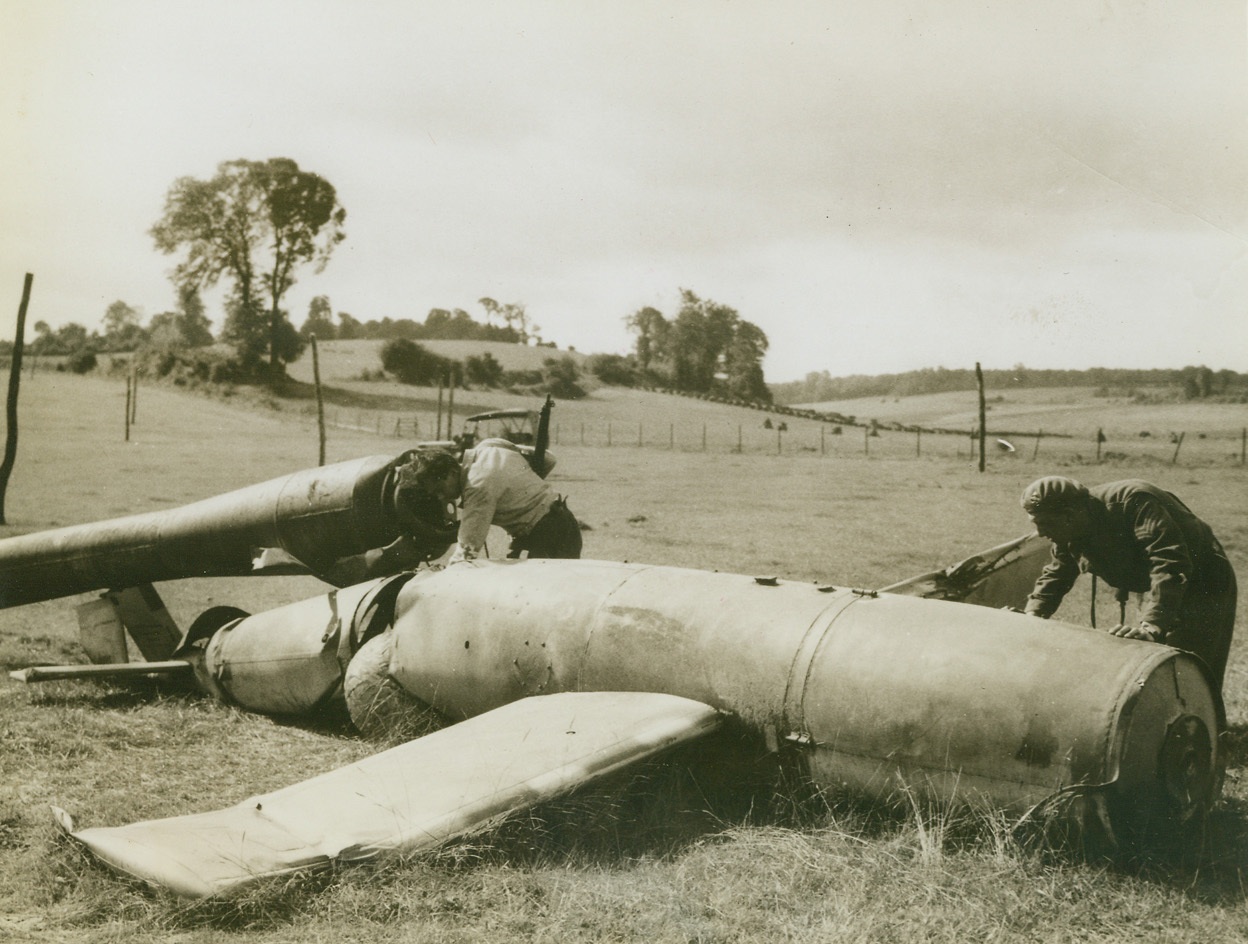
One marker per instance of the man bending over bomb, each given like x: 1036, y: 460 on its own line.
x: 1138, y: 538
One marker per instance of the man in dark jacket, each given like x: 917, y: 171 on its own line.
x: 1138, y: 538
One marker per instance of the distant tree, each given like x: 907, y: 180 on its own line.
x: 254, y: 222
x: 320, y: 320
x: 651, y: 329
x: 348, y: 327
x: 122, y: 331
x: 614, y: 369
x: 193, y: 322
x: 743, y: 364
x: 81, y: 361
x: 483, y: 369
x: 163, y: 331
x: 411, y: 363
x: 560, y: 376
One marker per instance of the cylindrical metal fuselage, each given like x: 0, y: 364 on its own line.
x: 879, y: 691
x: 316, y: 515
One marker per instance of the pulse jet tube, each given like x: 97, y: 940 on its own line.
x: 315, y: 515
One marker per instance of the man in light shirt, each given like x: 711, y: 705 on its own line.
x: 495, y: 484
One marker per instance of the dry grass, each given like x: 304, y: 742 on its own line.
x: 660, y: 855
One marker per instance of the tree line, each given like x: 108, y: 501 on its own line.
x: 1190, y: 382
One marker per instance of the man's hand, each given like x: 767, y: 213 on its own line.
x: 1146, y: 631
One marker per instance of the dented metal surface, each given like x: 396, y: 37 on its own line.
x: 290, y: 660
x: 887, y: 691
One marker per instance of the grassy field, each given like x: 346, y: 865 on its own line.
x: 1052, y: 426
x: 617, y: 865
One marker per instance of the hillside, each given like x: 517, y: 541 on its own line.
x: 347, y: 360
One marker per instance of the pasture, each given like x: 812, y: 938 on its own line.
x: 625, y: 863
x: 1046, y: 425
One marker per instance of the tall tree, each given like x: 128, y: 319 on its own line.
x: 192, y: 321
x: 651, y: 329
x: 122, y: 331
x: 255, y: 222
x: 320, y: 320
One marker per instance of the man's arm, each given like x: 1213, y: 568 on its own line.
x: 480, y: 498
x: 1053, y: 584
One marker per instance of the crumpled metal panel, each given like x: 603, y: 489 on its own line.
x: 291, y: 659
x: 1002, y: 576
x: 406, y: 799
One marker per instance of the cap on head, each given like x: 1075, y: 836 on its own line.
x: 431, y: 468
x: 1053, y: 493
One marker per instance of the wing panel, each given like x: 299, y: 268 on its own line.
x: 408, y: 798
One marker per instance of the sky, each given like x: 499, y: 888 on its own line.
x: 880, y: 187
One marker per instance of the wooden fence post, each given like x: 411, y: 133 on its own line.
x: 918, y: 443
x: 1034, y: 451
x: 15, y: 377
x: 450, y: 405
x: 1177, y: 446
x: 438, y: 434
x: 983, y: 413
x: 320, y: 401
x: 128, y: 394
x: 866, y: 440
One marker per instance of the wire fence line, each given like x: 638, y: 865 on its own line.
x: 808, y: 438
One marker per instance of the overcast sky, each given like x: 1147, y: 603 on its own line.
x: 880, y: 186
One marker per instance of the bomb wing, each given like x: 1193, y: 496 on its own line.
x: 1001, y: 576
x: 407, y: 799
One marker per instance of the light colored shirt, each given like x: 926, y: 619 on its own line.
x: 499, y: 487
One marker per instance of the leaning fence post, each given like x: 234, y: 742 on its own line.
x: 320, y: 400
x: 983, y: 415
x: 918, y: 443
x: 1036, y: 449
x: 1177, y: 446
x: 134, y: 395
x: 15, y: 377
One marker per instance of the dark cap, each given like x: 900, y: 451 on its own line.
x: 1051, y: 493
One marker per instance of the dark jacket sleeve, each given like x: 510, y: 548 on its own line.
x: 1169, y: 560
x: 1053, y: 583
